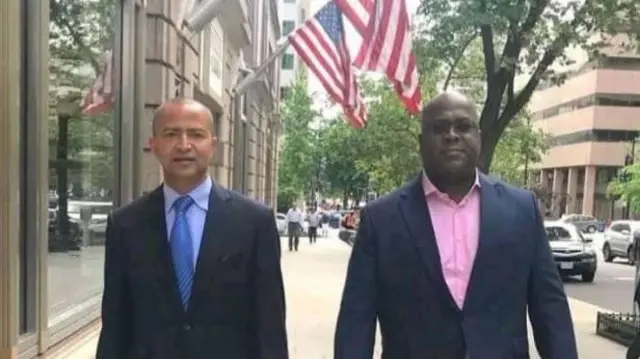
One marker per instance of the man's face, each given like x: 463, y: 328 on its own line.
x: 183, y: 141
x: 450, y: 139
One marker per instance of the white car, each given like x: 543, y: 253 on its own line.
x: 618, y: 240
x: 281, y: 223
x: 572, y: 252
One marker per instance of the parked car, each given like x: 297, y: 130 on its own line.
x: 572, y: 252
x: 584, y: 223
x: 618, y: 240
x: 281, y: 223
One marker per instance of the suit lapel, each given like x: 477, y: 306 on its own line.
x: 216, y: 236
x: 160, y: 248
x: 490, y: 219
x: 415, y: 213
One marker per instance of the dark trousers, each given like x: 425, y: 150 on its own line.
x: 294, y: 236
x: 313, y: 234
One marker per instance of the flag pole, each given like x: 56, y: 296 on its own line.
x: 252, y: 77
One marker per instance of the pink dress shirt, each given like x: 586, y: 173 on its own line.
x: 457, y: 229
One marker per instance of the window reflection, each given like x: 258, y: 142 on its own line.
x: 81, y: 162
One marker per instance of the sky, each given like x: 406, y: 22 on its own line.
x: 353, y: 43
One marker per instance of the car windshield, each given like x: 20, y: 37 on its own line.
x: 555, y: 234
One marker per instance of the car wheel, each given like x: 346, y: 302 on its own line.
x: 591, y: 229
x: 606, y: 253
x: 588, y: 277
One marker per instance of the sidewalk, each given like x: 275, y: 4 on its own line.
x: 314, y: 277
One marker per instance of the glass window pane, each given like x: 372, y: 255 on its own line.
x: 81, y: 162
x: 287, y: 26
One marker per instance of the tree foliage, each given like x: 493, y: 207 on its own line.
x: 519, y: 147
x: 518, y: 37
x: 297, y: 171
x: 340, y: 148
x: 626, y: 186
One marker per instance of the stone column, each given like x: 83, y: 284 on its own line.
x: 9, y: 169
x: 589, y: 190
x: 572, y: 190
x: 557, y: 190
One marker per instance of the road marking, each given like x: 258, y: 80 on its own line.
x: 625, y: 278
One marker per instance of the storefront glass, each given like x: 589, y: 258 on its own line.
x: 81, y: 153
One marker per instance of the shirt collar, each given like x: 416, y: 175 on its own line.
x: 200, y: 195
x: 430, y: 189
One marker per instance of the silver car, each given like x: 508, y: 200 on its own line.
x: 584, y: 222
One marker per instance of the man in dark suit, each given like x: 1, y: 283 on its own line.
x: 449, y: 264
x: 192, y: 270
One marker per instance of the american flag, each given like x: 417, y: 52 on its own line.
x: 320, y: 43
x: 100, y: 96
x: 387, y: 46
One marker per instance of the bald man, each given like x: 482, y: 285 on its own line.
x: 192, y: 270
x: 450, y: 263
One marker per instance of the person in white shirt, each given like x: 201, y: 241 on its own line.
x: 314, y: 223
x: 294, y: 224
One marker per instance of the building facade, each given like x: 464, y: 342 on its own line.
x: 594, y: 120
x: 292, y: 13
x: 64, y: 170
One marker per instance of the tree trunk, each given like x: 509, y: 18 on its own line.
x: 489, y: 142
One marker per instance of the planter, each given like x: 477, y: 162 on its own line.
x: 619, y: 327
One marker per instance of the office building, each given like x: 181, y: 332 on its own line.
x: 292, y: 13
x: 593, y: 119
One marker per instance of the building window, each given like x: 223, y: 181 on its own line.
x: 598, y: 99
x: 216, y: 51
x: 594, y: 135
x: 288, y: 62
x: 244, y: 106
x: 288, y: 26
x: 289, y: 1
x: 81, y: 165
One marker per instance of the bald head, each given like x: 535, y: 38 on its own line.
x: 179, y: 107
x: 445, y: 100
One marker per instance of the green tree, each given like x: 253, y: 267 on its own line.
x: 518, y: 38
x: 298, y: 158
x: 340, y: 149
x: 388, y: 146
x: 626, y: 187
x: 519, y: 147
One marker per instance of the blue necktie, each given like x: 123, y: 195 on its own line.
x: 182, y: 249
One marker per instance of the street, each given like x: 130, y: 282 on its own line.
x: 613, y: 287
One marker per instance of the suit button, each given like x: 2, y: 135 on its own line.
x: 186, y: 327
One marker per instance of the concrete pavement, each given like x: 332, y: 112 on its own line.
x: 314, y: 277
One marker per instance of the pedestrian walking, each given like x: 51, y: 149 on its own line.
x: 294, y: 226
x: 314, y: 223
x: 450, y: 264
x: 192, y: 270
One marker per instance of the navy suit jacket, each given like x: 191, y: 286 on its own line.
x: 237, y: 306
x: 395, y: 276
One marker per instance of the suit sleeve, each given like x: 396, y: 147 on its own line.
x: 356, y: 327
x: 115, y: 335
x: 269, y: 291
x: 548, y: 308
